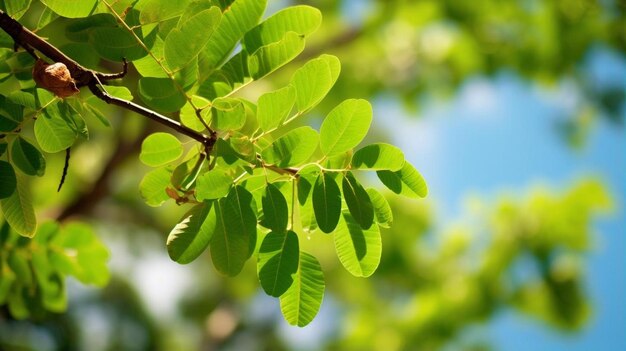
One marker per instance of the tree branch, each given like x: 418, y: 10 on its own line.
x: 92, y: 79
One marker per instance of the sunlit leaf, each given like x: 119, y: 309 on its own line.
x: 384, y: 215
x: 228, y: 114
x: 301, y: 302
x: 274, y: 107
x: 152, y: 186
x: 240, y: 17
x: 52, y: 130
x: 278, y: 261
x: 213, y: 185
x: 293, y: 148
x: 17, y: 8
x: 314, y: 80
x: 326, y: 202
x: 71, y: 8
x: 184, y: 43
x: 191, y: 236
x: 407, y: 181
x: 345, y: 126
x: 358, y: 249
x: 301, y: 20
x: 159, y: 149
x: 275, y: 210
x: 378, y: 156
x: 272, y: 56
x: 358, y: 201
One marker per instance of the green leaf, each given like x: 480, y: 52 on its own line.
x: 407, y: 181
x: 184, y: 43
x: 8, y: 181
x: 159, y: 149
x: 305, y: 194
x: 272, y: 56
x: 52, y: 130
x: 17, y: 8
x: 213, y: 185
x: 114, y: 44
x: 275, y: 210
x: 314, y: 80
x: 83, y: 255
x: 278, y: 261
x: 3, y: 147
x: 161, y: 94
x: 71, y: 8
x: 233, y: 241
x: 384, y: 215
x: 359, y: 249
x: 155, y: 11
x: 192, y: 235
x: 358, y: 201
x: 152, y: 186
x: 379, y: 156
x: 301, y: 302
x: 293, y: 148
x: 274, y: 107
x: 11, y: 115
x: 18, y: 209
x: 326, y: 202
x: 27, y: 158
x: 241, y: 16
x: 188, y: 115
x: 302, y: 20
x: 79, y: 29
x: 228, y: 114
x: 345, y: 126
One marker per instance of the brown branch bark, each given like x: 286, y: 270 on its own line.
x: 92, y: 79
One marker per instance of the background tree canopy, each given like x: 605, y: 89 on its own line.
x: 512, y: 111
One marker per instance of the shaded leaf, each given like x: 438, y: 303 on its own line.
x: 278, y: 261
x: 233, y: 241
x: 18, y: 209
x: 326, y: 202
x: 275, y: 209
x: 27, y: 158
x: 272, y: 56
x: 358, y: 201
x: 161, y: 94
x: 8, y: 181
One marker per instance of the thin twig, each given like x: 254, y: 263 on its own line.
x: 65, y: 168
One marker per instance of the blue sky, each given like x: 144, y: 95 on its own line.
x: 500, y: 135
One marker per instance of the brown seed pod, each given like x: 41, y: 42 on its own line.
x: 55, y: 78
